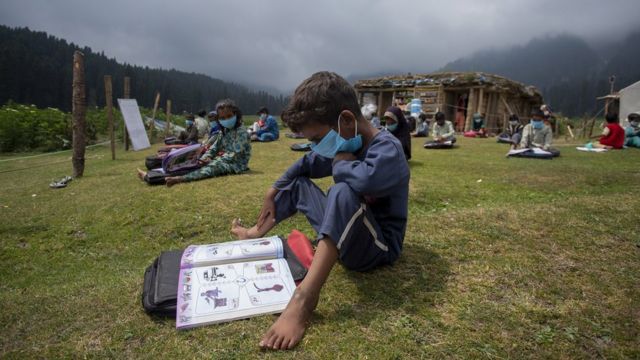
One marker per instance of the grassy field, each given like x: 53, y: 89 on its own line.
x: 503, y: 258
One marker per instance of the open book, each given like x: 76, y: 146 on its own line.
x: 233, y: 280
x: 535, y: 150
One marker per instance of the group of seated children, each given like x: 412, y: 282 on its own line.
x: 226, y: 152
x: 266, y: 128
x: 443, y: 134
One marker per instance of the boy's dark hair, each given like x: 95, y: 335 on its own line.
x: 611, y: 118
x: 439, y: 115
x: 189, y: 116
x: 633, y: 117
x: 263, y: 110
x: 202, y: 113
x: 320, y: 99
x: 537, y: 113
x: 422, y: 116
x: 231, y: 105
x: 514, y: 117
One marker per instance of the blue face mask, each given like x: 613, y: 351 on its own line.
x: 213, y: 124
x: 229, y: 123
x: 263, y: 116
x: 332, y: 143
x: 537, y: 124
x: 188, y: 122
x: 392, y: 127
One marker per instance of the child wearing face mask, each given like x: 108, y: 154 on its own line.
x: 513, y: 133
x: 443, y: 134
x: 361, y: 220
x: 228, y: 154
x: 267, y: 127
x: 537, y: 134
x: 632, y: 132
x: 396, y: 123
x: 186, y: 137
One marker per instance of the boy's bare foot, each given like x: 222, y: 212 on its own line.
x: 288, y: 330
x: 242, y: 232
x: 172, y: 180
x: 238, y: 230
x: 141, y: 174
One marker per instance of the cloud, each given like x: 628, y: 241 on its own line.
x: 278, y: 43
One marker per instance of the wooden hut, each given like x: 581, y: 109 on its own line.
x: 457, y: 94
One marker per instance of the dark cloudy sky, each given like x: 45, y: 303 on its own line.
x: 278, y: 43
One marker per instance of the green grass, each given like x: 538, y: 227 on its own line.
x: 539, y: 259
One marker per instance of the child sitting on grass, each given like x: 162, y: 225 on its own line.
x: 612, y: 134
x: 361, y: 221
x: 229, y: 153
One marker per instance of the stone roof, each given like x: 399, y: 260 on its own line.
x: 450, y: 79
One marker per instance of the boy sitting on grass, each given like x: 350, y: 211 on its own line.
x: 361, y: 220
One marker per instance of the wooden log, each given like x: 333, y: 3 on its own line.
x: 79, y: 112
x: 127, y: 94
x: 152, y: 130
x: 108, y: 95
x: 167, y: 123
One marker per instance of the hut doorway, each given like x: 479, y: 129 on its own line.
x: 386, y: 100
x: 455, y: 108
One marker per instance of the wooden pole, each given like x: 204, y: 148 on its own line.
x: 108, y: 91
x: 127, y: 94
x: 79, y: 111
x: 152, y: 130
x: 471, y: 109
x: 167, y: 124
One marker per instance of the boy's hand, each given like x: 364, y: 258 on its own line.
x: 204, y: 161
x: 268, y: 207
x: 344, y: 156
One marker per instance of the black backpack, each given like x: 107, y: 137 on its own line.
x: 161, y: 284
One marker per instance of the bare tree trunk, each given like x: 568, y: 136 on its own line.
x: 127, y: 94
x: 108, y: 91
x: 79, y: 111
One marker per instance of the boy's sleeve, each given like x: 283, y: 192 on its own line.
x: 378, y: 173
x: 311, y: 165
x: 449, y: 130
x: 213, y: 149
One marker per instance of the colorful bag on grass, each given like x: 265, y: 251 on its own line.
x: 183, y: 159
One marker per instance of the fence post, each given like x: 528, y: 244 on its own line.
x: 79, y: 111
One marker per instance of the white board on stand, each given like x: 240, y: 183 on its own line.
x: 133, y: 121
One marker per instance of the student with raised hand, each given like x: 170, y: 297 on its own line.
x: 396, y: 123
x: 443, y: 133
x: 537, y: 134
x: 513, y: 133
x: 229, y: 154
x: 632, y: 132
x: 268, y: 128
x: 361, y: 220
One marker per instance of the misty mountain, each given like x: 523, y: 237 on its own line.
x: 36, y: 68
x: 568, y: 71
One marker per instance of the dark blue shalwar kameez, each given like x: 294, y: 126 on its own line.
x: 364, y: 213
